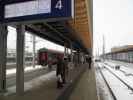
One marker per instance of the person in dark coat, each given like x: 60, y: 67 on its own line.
x: 59, y: 72
x: 65, y: 69
x: 89, y: 61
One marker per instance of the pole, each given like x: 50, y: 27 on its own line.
x: 103, y: 47
x: 3, y: 52
x: 34, y: 50
x: 20, y: 59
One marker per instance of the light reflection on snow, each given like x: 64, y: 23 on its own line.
x: 26, y: 69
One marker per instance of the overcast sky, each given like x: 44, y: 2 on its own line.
x: 114, y: 20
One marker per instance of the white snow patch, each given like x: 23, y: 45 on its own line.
x: 34, y: 82
x: 120, y: 90
x: 26, y: 69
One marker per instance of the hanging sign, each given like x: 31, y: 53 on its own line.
x: 30, y: 10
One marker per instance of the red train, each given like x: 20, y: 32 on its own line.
x: 48, y: 57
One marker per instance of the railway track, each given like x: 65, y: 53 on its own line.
x: 11, y: 80
x: 13, y: 65
x: 114, y: 95
x: 111, y: 91
x: 123, y: 71
x: 131, y: 88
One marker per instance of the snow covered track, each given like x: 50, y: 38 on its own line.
x: 126, y: 70
x: 119, y: 89
x: 125, y: 76
x: 131, y: 88
x: 113, y: 95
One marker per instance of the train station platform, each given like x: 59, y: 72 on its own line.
x: 86, y: 87
x: 81, y: 85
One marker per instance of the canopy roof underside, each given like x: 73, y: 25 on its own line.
x: 82, y: 22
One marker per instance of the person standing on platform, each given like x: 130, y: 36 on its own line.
x: 90, y: 61
x: 82, y: 60
x: 65, y: 69
x: 59, y: 72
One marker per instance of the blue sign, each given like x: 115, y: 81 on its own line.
x: 31, y: 10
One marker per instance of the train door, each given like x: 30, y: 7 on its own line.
x: 44, y: 58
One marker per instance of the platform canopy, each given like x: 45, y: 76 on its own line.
x: 83, y: 21
x: 78, y: 29
x: 63, y: 21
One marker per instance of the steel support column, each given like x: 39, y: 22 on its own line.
x: 3, y: 52
x: 20, y: 59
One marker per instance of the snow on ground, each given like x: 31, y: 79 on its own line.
x: 122, y: 63
x: 26, y: 69
x: 120, y: 90
x: 36, y: 82
x: 14, y: 63
x: 126, y: 79
x: 126, y: 68
x: 102, y: 88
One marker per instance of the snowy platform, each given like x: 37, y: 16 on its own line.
x: 44, y: 87
x: 86, y: 87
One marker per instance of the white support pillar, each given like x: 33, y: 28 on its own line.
x: 3, y: 53
x: 20, y: 59
x: 34, y: 51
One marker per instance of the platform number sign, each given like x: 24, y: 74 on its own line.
x: 30, y: 10
x: 59, y: 5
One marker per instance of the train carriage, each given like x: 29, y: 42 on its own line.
x: 48, y: 57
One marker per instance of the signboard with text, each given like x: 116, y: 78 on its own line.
x: 30, y: 10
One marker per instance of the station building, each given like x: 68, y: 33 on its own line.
x: 122, y: 53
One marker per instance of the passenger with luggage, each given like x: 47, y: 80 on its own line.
x: 65, y: 69
x: 59, y: 72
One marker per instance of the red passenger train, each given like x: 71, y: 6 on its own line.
x: 48, y: 57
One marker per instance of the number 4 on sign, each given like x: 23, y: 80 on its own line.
x: 59, y: 5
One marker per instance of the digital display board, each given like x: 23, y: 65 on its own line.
x: 30, y: 10
x: 27, y: 8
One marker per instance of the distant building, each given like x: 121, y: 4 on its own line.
x: 121, y: 53
x: 122, y: 48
